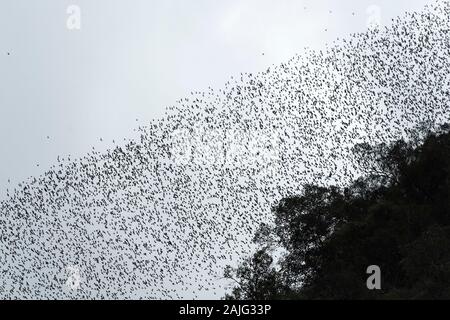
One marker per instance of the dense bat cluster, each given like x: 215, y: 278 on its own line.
x: 160, y: 216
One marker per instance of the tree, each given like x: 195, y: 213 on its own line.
x: 396, y: 217
x: 256, y: 278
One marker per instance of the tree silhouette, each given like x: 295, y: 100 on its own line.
x: 396, y: 217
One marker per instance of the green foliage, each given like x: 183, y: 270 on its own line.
x: 396, y: 217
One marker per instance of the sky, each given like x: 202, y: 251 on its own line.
x: 74, y: 72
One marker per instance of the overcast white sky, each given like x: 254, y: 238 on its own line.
x: 131, y: 59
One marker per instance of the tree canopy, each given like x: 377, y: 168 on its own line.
x: 397, y: 216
